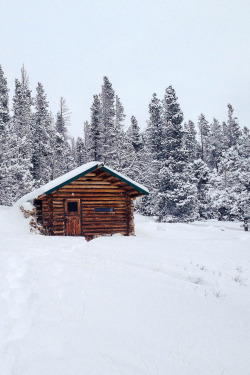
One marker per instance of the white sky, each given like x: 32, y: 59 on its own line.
x: 200, y: 47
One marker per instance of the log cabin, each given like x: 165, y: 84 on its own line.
x: 90, y: 201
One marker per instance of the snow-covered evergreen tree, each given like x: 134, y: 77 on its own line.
x: 4, y: 98
x: 230, y: 190
x: 120, y: 134
x: 190, y: 141
x: 216, y: 144
x: 96, y: 134
x: 177, y: 198
x: 108, y: 122
x: 173, y: 131
x: 4, y: 136
x: 204, y: 132
x: 21, y: 138
x: 80, y: 151
x: 202, y: 177
x: 87, y: 140
x: 63, y: 158
x: 42, y: 157
x: 134, y: 135
x: 154, y: 131
x: 233, y: 128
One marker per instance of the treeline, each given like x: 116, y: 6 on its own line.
x: 191, y: 174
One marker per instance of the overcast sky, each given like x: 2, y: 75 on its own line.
x: 200, y: 47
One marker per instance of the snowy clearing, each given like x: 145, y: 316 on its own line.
x: 175, y: 299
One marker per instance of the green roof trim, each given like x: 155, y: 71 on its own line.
x: 106, y: 169
x: 72, y: 179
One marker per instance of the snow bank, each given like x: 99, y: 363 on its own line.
x: 173, y: 300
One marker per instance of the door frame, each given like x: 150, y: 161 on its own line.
x: 66, y: 214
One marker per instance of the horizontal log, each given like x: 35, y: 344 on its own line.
x: 108, y: 226
x: 90, y: 174
x: 86, y: 182
x: 58, y: 215
x: 90, y: 188
x: 104, y: 220
x: 96, y: 233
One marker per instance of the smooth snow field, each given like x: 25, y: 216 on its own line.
x: 174, y: 300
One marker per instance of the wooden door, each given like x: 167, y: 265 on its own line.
x: 73, y: 223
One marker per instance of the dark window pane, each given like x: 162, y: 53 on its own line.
x: 104, y: 209
x: 72, y: 207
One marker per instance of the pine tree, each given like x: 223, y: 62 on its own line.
x: 87, y: 140
x: 63, y: 158
x: 81, y: 156
x: 202, y: 180
x: 21, y: 139
x: 108, y: 122
x: 204, y: 130
x: 120, y: 152
x: 42, y: 158
x: 4, y: 137
x: 216, y: 144
x: 154, y: 131
x: 189, y: 141
x: 231, y: 186
x: 4, y: 99
x: 177, y: 196
x: 233, y: 128
x: 96, y: 135
x: 134, y: 135
x: 133, y: 160
x: 173, y: 132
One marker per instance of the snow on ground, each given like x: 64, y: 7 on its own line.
x: 175, y: 299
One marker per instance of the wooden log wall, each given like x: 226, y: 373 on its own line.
x: 94, y: 191
x: 58, y: 217
x: 47, y: 210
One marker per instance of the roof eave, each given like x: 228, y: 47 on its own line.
x: 106, y: 169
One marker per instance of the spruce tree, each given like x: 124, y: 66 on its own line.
x: 133, y: 161
x: 42, y: 158
x: 81, y: 156
x: 233, y: 128
x: 176, y: 197
x: 22, y: 140
x: 120, y: 152
x: 96, y: 135
x: 189, y: 141
x: 108, y: 122
x: 216, y: 144
x: 87, y: 140
x: 154, y: 131
x: 173, y: 131
x: 4, y: 99
x: 4, y: 137
x: 134, y: 135
x: 204, y: 131
x: 63, y: 158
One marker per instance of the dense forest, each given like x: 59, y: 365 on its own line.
x: 193, y: 171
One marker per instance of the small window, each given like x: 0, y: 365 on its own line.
x: 104, y: 209
x: 72, y: 207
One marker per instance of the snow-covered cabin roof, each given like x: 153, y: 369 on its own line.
x: 65, y: 179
